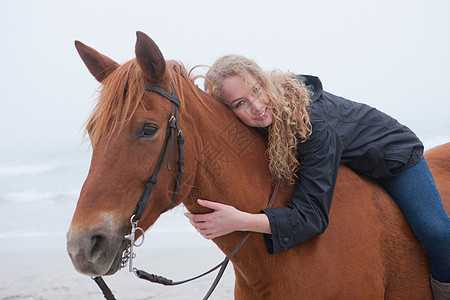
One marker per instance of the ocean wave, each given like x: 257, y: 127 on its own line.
x: 30, y: 234
x: 27, y: 234
x: 38, y: 196
x: 33, y: 170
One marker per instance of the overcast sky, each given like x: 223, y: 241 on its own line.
x: 391, y: 54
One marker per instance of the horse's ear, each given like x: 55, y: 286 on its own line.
x: 149, y: 57
x: 98, y: 64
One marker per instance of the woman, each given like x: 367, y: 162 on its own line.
x: 310, y: 132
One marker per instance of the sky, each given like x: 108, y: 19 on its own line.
x: 391, y: 54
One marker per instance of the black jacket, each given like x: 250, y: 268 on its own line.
x: 365, y: 139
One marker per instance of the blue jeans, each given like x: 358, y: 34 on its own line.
x: 415, y: 192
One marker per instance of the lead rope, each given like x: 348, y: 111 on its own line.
x: 162, y: 280
x: 105, y: 289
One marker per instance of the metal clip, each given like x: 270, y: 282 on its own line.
x: 129, y: 254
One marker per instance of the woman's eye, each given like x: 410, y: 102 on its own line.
x: 240, y: 103
x: 148, y: 131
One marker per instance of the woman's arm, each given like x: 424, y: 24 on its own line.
x: 307, y: 214
x: 226, y: 219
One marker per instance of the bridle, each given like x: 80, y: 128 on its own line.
x: 172, y: 126
x: 128, y: 254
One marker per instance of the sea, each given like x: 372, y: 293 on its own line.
x: 38, y: 196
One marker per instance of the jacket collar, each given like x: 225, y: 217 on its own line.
x: 313, y: 84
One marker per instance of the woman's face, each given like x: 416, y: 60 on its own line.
x: 252, y: 106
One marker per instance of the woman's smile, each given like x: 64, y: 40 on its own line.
x: 262, y: 115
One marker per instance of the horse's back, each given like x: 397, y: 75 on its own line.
x: 405, y: 266
x: 368, y: 251
x: 438, y: 159
x: 406, y: 274
x: 388, y: 252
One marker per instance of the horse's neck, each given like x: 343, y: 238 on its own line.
x: 230, y: 163
x: 230, y: 167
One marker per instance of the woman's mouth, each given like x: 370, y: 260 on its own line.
x: 262, y: 115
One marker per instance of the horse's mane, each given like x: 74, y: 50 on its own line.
x: 115, y: 107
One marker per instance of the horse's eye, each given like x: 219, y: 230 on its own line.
x: 148, y: 131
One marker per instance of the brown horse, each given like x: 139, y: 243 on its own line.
x: 367, y: 252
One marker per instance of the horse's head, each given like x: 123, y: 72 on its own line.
x: 127, y: 130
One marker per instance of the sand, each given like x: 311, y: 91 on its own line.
x: 28, y: 271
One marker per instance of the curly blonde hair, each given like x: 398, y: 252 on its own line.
x: 290, y: 101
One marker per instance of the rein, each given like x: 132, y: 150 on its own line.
x: 129, y: 254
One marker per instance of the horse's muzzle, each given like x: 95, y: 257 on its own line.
x: 98, y: 251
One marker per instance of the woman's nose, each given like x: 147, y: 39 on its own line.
x: 256, y: 105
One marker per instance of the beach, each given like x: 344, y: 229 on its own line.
x: 37, y: 273
x: 38, y: 197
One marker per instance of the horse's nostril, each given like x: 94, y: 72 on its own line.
x: 98, y: 243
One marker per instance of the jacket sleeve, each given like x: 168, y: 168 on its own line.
x: 307, y: 214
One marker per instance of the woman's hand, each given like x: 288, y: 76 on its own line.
x: 223, y: 220
x: 226, y: 219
